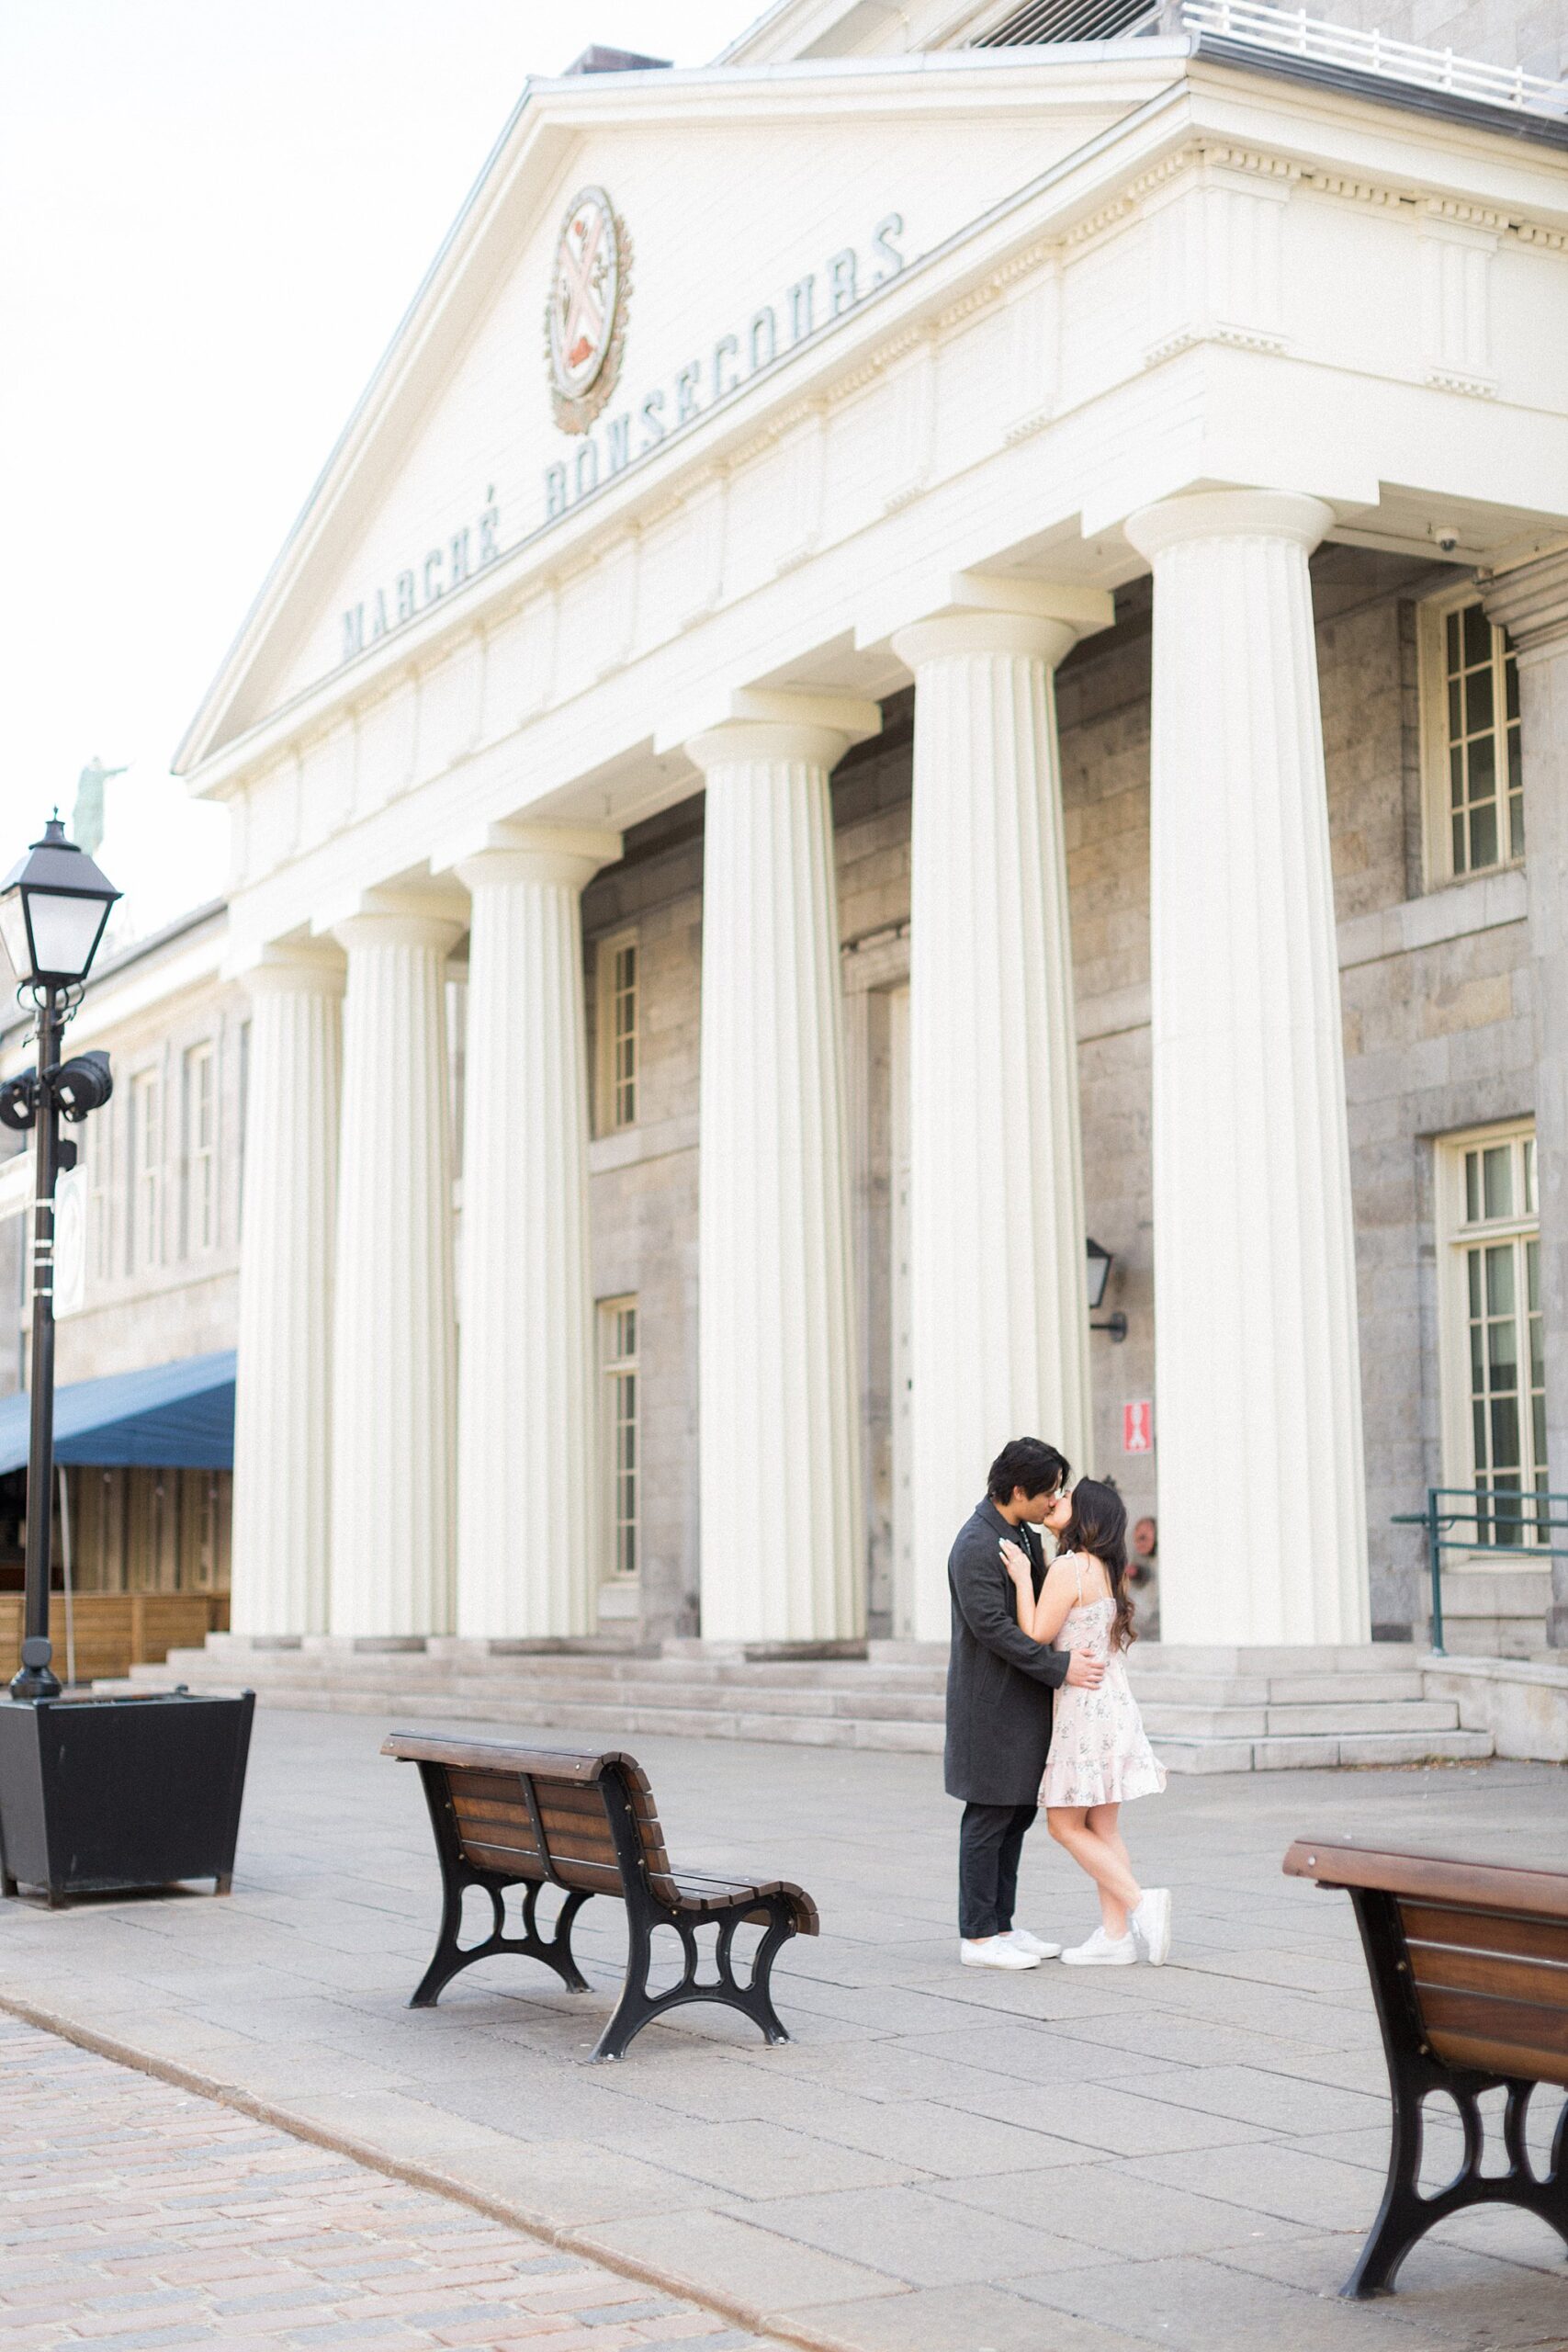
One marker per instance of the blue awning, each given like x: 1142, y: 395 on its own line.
x: 169, y: 1417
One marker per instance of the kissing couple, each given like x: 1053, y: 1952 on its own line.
x: 1025, y: 1635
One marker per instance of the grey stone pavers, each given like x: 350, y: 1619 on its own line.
x: 939, y: 2160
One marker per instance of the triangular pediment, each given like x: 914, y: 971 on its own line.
x: 752, y: 212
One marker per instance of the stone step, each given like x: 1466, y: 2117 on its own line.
x: 1205, y: 1718
x: 1352, y: 1714
x: 1310, y: 1751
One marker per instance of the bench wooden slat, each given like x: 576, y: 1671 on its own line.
x: 1496, y: 1931
x: 1473, y: 2053
x: 506, y: 1756
x: 1447, y: 1969
x: 1528, y: 2025
x: 1482, y: 1886
x: 511, y: 1861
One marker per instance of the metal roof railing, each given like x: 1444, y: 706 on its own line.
x: 1295, y: 34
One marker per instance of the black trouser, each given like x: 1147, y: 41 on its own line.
x: 990, y: 1840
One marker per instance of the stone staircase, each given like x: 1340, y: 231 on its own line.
x: 1206, y: 1710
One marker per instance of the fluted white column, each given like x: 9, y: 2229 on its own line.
x: 1000, y: 1329
x: 394, y: 1339
x: 283, y: 1398
x: 782, y: 1540
x: 1262, y: 1497
x: 527, y: 1552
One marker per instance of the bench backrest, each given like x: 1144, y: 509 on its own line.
x: 1482, y: 1949
x: 545, y: 1814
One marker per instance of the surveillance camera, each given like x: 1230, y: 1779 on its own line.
x: 1447, y: 537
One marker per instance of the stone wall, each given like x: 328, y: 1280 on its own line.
x: 1437, y: 1036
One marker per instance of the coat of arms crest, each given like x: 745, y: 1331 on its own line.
x: 585, y: 316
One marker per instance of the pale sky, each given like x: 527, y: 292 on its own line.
x: 215, y: 213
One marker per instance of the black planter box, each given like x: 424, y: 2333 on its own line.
x: 97, y: 1795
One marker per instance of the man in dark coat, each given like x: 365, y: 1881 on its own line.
x: 999, y: 1699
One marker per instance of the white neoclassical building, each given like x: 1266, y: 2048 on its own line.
x: 929, y: 643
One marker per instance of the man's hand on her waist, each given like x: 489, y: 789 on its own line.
x: 1085, y: 1672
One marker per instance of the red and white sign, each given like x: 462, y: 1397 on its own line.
x: 1138, y: 1428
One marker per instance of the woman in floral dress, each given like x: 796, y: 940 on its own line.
x: 1100, y: 1753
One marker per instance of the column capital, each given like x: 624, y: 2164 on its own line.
x: 391, y: 918
x: 986, y: 612
x: 1530, y: 601
x: 1230, y: 514
x: 567, y: 854
x: 722, y: 717
x: 300, y: 968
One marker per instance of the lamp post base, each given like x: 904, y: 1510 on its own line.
x: 36, y: 1678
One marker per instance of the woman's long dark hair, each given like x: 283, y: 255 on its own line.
x: 1098, y: 1526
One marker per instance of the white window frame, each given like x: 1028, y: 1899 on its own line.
x: 618, y: 1363
x: 1460, y: 1235
x: 618, y: 1080
x: 1432, y: 618
x: 145, y: 1223
x: 199, y: 1087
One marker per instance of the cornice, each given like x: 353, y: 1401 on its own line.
x: 916, y: 312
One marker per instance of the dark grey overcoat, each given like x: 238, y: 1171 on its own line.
x: 998, y: 1681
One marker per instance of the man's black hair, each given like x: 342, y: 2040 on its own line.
x: 1029, y: 1462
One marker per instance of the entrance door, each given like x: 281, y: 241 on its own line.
x: 899, y: 1320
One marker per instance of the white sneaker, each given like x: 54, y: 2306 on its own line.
x: 1103, y: 1951
x: 1026, y: 1942
x: 995, y: 1951
x: 1151, y: 1923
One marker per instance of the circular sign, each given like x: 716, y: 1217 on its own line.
x: 585, y: 317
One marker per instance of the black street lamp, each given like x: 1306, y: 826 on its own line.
x: 53, y: 906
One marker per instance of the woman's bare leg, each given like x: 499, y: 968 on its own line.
x: 1119, y: 1890
x: 1104, y: 1821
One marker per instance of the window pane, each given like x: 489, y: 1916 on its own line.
x: 1530, y: 1176
x: 1477, y: 635
x: 1500, y: 1281
x: 1456, y: 778
x: 1451, y: 638
x: 1483, y: 768
x: 1478, y: 701
x: 1504, y: 1436
x: 1483, y: 835
x: 1456, y: 710
x: 1474, y: 1271
x: 1497, y: 1161
x: 1472, y: 1188
x: 1511, y: 684
x: 1516, y: 824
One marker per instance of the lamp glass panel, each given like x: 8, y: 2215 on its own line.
x: 65, y: 932
x: 14, y: 933
x: 1099, y: 1274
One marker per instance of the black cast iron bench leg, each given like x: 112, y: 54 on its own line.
x: 638, y: 2006
x: 451, y: 1957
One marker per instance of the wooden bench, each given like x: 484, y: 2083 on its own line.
x: 1469, y: 1968
x: 585, y: 1822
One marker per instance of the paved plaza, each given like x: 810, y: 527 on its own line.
x: 135, y: 2214
x: 1058, y: 2161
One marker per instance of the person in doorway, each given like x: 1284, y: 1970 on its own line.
x: 1100, y: 1753
x: 1000, y: 1686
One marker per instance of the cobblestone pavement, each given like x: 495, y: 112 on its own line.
x: 132, y: 2215
x: 939, y: 2160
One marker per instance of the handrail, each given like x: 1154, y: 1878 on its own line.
x: 1511, y: 1508
x: 1299, y: 35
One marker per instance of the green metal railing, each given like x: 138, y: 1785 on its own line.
x: 1530, y: 1517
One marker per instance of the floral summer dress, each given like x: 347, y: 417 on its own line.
x: 1099, y: 1752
